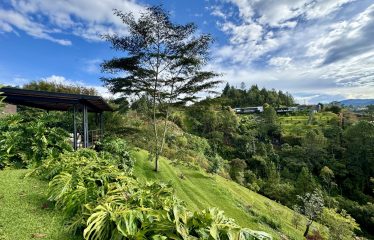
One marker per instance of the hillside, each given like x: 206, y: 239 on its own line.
x: 200, y: 190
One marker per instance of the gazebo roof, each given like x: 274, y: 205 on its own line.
x: 53, y: 100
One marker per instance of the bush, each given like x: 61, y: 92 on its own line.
x: 315, y: 235
x: 271, y: 222
x: 119, y: 151
x: 83, y: 159
x: 27, y: 142
x: 198, y: 144
x: 341, y: 225
x: 364, y: 214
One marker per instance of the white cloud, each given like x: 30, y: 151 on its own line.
x: 5, y: 27
x: 261, y: 27
x: 9, y: 18
x: 281, y: 12
x: 84, y: 18
x: 321, y: 8
x: 216, y: 11
x: 301, y: 46
x: 61, y: 80
x: 347, y: 39
x: 282, y: 62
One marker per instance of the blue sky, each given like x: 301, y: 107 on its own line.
x: 318, y: 50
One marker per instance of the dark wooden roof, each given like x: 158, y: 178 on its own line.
x: 53, y: 100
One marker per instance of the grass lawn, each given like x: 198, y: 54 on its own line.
x: 24, y: 210
x: 200, y: 190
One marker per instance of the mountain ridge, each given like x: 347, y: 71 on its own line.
x: 357, y: 102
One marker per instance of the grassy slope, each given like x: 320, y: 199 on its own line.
x: 24, y: 210
x: 298, y: 125
x: 200, y: 190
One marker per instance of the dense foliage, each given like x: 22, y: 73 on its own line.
x: 266, y: 155
x: 27, y: 141
x: 119, y: 151
x: 253, y: 96
x: 341, y: 225
x: 49, y: 86
x: 105, y: 202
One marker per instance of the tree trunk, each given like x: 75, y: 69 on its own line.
x: 156, y: 137
x: 156, y: 162
x: 160, y: 148
x: 307, y: 229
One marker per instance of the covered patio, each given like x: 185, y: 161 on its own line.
x: 53, y: 101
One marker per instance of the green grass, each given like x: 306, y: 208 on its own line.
x: 24, y: 210
x: 201, y: 190
x: 298, y: 125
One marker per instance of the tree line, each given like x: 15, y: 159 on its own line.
x: 242, y: 97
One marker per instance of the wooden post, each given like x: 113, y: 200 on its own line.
x: 75, y: 142
x: 85, y: 125
x: 101, y: 123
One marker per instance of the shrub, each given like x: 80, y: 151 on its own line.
x: 315, y: 235
x: 341, y: 225
x: 364, y: 214
x: 198, y: 144
x: 83, y: 159
x: 271, y: 222
x: 119, y: 150
x: 216, y: 164
x: 26, y: 142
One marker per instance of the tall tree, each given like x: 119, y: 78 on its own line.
x: 305, y: 182
x: 162, y: 60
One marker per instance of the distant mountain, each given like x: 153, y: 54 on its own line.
x: 357, y: 102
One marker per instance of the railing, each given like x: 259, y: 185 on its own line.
x: 93, y: 137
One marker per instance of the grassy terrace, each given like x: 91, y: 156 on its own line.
x: 200, y: 190
x: 298, y: 125
x: 24, y: 210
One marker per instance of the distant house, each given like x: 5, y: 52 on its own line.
x: 314, y: 108
x: 9, y: 109
x: 280, y: 110
x: 286, y: 109
x: 247, y: 110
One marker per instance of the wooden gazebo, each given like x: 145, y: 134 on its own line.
x: 61, y: 102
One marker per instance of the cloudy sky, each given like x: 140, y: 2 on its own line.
x: 318, y: 50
